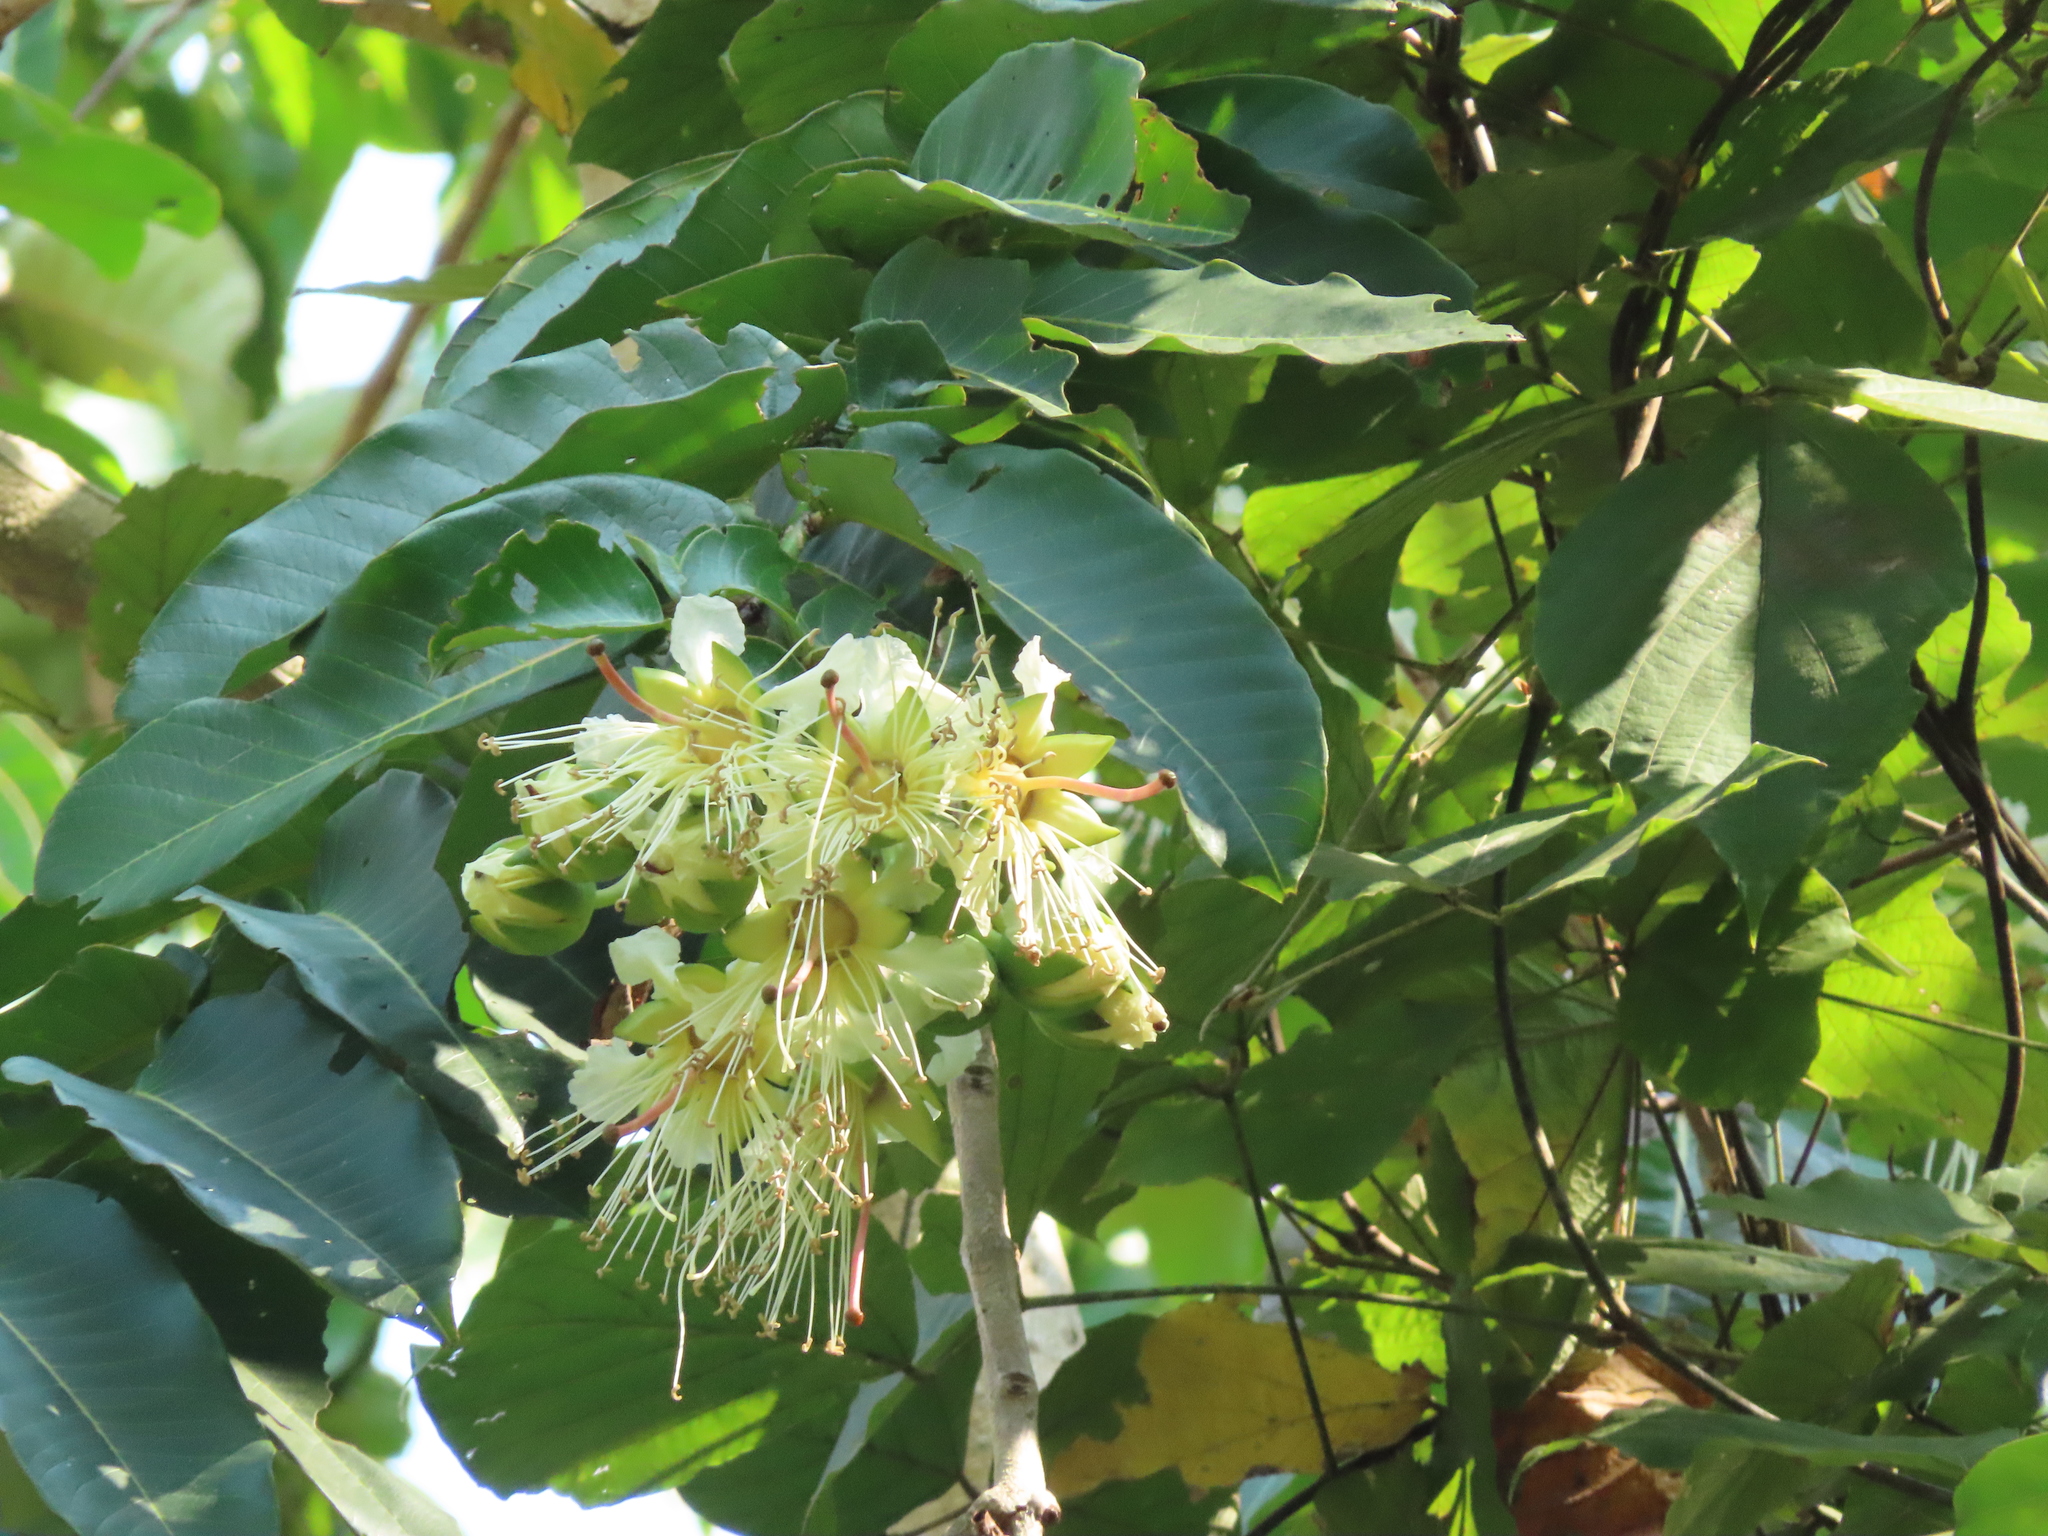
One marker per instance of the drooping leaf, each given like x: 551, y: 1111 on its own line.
x: 973, y: 306
x: 1673, y: 1437
x: 561, y: 1379
x: 1699, y: 1264
x: 1448, y: 862
x: 1157, y: 634
x: 95, y: 189
x: 272, y: 577
x: 144, y: 825
x: 1221, y: 309
x: 755, y: 207
x: 115, y: 1393
x: 342, y: 1172
x: 373, y: 1499
x: 1802, y: 141
x: 666, y: 100
x: 1329, y: 143
x: 794, y: 56
x: 1225, y: 1396
x: 99, y: 1016
x: 164, y: 532
x: 568, y: 583
x: 548, y: 279
x: 379, y: 944
x: 1771, y: 588
x: 443, y: 285
x: 1905, y: 1212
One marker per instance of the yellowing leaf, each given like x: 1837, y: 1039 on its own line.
x: 1226, y: 1397
x: 559, y: 55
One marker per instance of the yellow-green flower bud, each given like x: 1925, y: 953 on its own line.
x: 564, y: 816
x: 522, y: 906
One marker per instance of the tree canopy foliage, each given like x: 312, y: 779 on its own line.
x: 1370, y: 667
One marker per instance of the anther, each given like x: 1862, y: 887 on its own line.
x: 625, y: 690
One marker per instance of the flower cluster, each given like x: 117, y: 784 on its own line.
x: 869, y: 846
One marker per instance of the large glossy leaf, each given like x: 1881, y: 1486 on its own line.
x: 373, y: 1499
x: 164, y: 532
x: 548, y: 280
x: 567, y: 583
x: 1802, y: 141
x: 1771, y: 588
x: 1221, y: 308
x: 95, y: 189
x: 973, y: 306
x: 267, y: 580
x: 145, y: 824
x: 1055, y: 134
x: 736, y: 220
x: 379, y: 943
x: 115, y: 1393
x: 343, y: 1172
x: 1153, y: 630
x: 955, y: 41
x: 98, y: 1016
x: 561, y: 1380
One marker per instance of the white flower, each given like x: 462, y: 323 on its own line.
x: 951, y: 1055
x: 874, y: 672
x: 700, y: 624
x: 1034, y: 673
x: 613, y: 1083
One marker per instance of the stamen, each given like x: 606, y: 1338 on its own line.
x: 1160, y: 782
x: 854, y: 1312
x: 836, y: 708
x: 626, y: 690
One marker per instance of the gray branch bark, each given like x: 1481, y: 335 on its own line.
x: 49, y: 517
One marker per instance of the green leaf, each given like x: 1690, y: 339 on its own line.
x: 1449, y: 862
x: 1817, y: 1365
x: 34, y: 774
x: 1154, y: 631
x: 271, y: 578
x: 1802, y: 141
x: 1828, y: 292
x: 568, y: 583
x: 1905, y: 1212
x: 2007, y: 1491
x: 1953, y: 405
x: 1672, y: 1437
x: 1896, y: 1044
x: 745, y: 559
x: 342, y: 1172
x: 795, y: 56
x: 561, y: 1380
x: 164, y: 532
x: 99, y: 1016
x: 913, y: 1445
x: 92, y: 188
x: 65, y: 438
x: 143, y: 824
x: 666, y: 100
x: 379, y: 944
x: 444, y: 285
x: 810, y: 298
x: 1700, y: 1264
x: 1045, y: 1104
x: 547, y: 280
x: 1221, y: 309
x: 115, y: 1393
x: 973, y: 307
x: 373, y: 1499
x: 954, y: 43
x: 1055, y: 134
x: 1773, y: 588
x: 1527, y: 236
x: 1333, y: 145
x: 755, y: 208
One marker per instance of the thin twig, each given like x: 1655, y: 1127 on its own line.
x: 134, y: 49
x: 1420, y: 1430
x: 505, y: 141
x: 1592, y: 1333
x: 1017, y: 1501
x: 1257, y: 1192
x: 1927, y: 853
